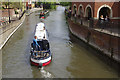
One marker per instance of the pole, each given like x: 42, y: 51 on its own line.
x: 9, y: 12
x: 0, y: 10
x: 19, y: 9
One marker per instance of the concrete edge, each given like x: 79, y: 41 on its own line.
x: 1, y: 46
x: 12, y: 33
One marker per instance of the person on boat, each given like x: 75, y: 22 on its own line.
x: 36, y: 46
x: 45, y: 44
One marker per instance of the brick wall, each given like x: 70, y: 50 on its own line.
x: 84, y: 5
x: 105, y: 42
x: 96, y: 5
x: 5, y: 12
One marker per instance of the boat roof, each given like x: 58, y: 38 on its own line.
x: 40, y: 26
x: 40, y: 31
x: 41, y: 34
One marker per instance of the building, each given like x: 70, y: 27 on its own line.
x: 100, y: 34
x: 96, y: 9
x: 30, y: 4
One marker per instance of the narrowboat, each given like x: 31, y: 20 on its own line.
x: 40, y: 56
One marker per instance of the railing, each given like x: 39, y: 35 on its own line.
x: 21, y: 15
x: 111, y: 27
x: 4, y: 20
x: 104, y: 42
x: 6, y: 26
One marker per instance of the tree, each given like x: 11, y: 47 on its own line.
x: 65, y: 3
x: 48, y: 5
x: 12, y: 4
x: 6, y: 4
x: 17, y: 5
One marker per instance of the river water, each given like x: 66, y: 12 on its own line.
x: 71, y: 57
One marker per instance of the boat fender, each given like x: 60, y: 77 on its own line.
x: 40, y: 65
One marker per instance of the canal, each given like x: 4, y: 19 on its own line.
x: 71, y: 57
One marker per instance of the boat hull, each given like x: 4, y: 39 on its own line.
x: 41, y: 63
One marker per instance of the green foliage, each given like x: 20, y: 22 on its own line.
x: 13, y: 4
x: 47, y: 5
x: 65, y: 3
x: 38, y: 3
x: 52, y: 6
x: 16, y: 5
x: 6, y: 4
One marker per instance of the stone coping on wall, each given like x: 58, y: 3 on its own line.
x: 108, y: 32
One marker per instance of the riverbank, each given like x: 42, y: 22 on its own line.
x: 105, y: 43
x: 8, y: 30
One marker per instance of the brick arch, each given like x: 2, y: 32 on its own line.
x: 103, y: 7
x: 79, y: 9
x: 88, y: 6
x: 73, y: 11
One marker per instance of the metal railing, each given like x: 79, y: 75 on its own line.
x: 6, y: 26
x: 110, y: 26
x: 4, y: 20
x: 104, y: 42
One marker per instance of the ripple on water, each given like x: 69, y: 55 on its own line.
x: 45, y: 73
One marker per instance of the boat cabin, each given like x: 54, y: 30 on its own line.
x: 42, y: 52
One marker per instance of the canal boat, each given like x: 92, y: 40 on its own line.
x: 44, y: 14
x: 40, y: 56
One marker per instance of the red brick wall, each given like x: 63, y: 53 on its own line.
x: 96, y: 5
x: 113, y: 5
x: 5, y: 12
x: 116, y: 8
x: 99, y: 4
x: 84, y: 5
x: 105, y: 41
x: 102, y: 40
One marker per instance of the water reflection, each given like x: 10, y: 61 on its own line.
x: 84, y: 63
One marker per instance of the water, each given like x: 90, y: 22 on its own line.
x: 71, y: 57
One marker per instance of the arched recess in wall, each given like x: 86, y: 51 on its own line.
x: 88, y: 11
x: 80, y: 11
x: 74, y: 11
x: 104, y: 10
